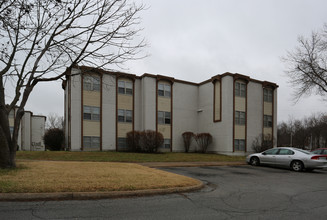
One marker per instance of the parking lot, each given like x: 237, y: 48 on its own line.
x: 242, y: 192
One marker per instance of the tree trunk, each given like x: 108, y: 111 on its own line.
x: 7, y: 157
x: 7, y: 149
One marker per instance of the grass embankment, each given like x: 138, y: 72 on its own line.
x: 58, y: 176
x: 124, y: 156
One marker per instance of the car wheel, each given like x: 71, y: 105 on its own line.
x: 254, y: 161
x: 297, y: 166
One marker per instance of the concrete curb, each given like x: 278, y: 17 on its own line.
x: 191, y: 164
x: 94, y: 195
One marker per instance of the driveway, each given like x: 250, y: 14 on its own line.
x: 240, y: 192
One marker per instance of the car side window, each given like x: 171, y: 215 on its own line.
x: 324, y: 151
x: 317, y: 152
x: 271, y: 152
x: 285, y: 152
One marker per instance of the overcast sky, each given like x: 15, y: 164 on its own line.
x: 194, y: 40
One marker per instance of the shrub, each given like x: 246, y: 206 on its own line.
x: 187, y: 138
x: 133, y: 141
x: 150, y: 141
x: 53, y: 139
x: 203, y: 140
x: 259, y: 144
x: 144, y: 141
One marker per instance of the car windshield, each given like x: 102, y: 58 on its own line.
x: 304, y: 151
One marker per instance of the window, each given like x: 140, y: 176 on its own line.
x: 166, y: 144
x: 267, y: 95
x: 164, y: 117
x: 267, y: 121
x: 271, y: 151
x: 239, y: 144
x: 91, y: 113
x: 91, y: 83
x: 164, y: 90
x: 318, y: 151
x: 285, y: 152
x: 91, y: 142
x: 239, y: 118
x: 122, y: 144
x: 240, y: 89
x: 125, y: 87
x: 125, y: 115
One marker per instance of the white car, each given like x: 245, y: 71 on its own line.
x: 293, y: 158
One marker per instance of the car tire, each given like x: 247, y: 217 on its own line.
x: 254, y: 161
x: 297, y: 166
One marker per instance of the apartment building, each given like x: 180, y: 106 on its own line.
x: 31, y: 132
x: 101, y: 107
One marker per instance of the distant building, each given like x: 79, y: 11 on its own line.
x: 101, y: 107
x: 31, y: 131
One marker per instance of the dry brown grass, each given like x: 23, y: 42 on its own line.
x: 57, y: 176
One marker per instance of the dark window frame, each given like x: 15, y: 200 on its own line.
x: 93, y: 142
x: 125, y: 87
x: 240, y: 89
x: 164, y: 90
x: 240, y: 118
x: 164, y: 118
x: 91, y: 83
x: 125, y: 116
x: 93, y: 114
x: 267, y: 121
x: 239, y: 144
x: 268, y: 95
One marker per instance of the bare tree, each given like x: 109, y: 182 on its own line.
x: 307, y: 65
x: 54, y: 121
x: 40, y: 38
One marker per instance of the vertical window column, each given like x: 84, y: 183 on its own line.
x: 240, y: 114
x: 164, y: 112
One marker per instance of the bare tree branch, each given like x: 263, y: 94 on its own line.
x: 39, y: 39
x: 307, y: 65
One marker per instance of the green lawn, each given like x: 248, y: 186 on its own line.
x: 124, y: 156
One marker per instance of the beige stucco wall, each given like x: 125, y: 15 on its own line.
x: 91, y: 128
x: 165, y: 131
x: 164, y: 104
x: 240, y: 104
x: 267, y: 108
x: 91, y: 98
x: 267, y: 131
x: 239, y: 132
x: 125, y: 102
x: 123, y: 129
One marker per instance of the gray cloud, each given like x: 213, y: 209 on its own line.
x: 194, y: 40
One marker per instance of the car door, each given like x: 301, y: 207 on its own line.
x: 269, y: 156
x: 284, y: 157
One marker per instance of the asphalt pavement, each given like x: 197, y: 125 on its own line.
x: 230, y: 192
